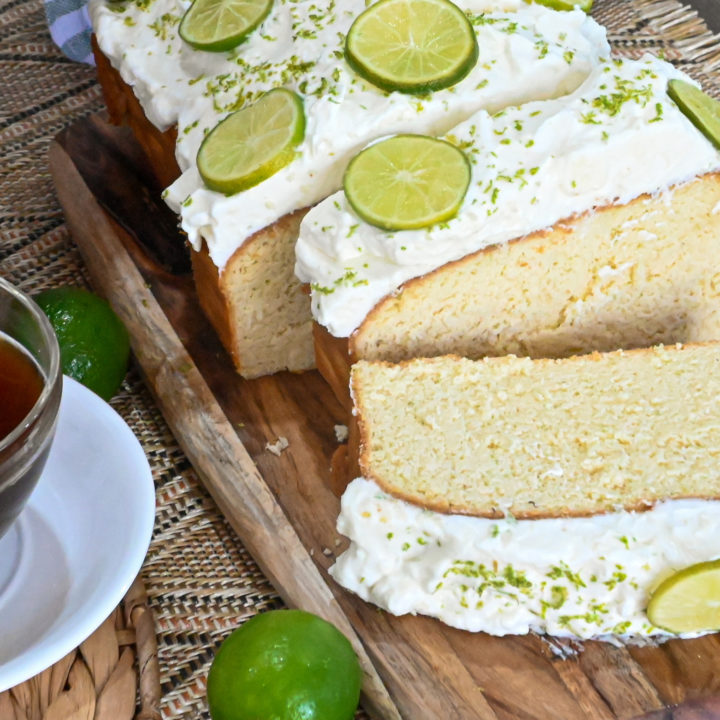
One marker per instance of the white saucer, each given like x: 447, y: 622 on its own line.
x: 74, y: 551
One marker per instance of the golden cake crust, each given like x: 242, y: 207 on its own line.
x: 124, y: 109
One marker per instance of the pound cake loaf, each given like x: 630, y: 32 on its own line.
x: 509, y: 494
x: 243, y: 244
x: 586, y: 226
x: 258, y: 309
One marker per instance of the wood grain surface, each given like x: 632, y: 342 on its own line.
x: 284, y: 511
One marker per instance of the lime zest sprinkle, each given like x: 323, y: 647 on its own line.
x: 658, y: 113
x: 562, y: 570
x: 558, y: 597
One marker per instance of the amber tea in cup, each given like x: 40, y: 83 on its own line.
x: 30, y: 388
x: 21, y: 383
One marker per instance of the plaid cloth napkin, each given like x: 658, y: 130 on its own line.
x: 70, y: 28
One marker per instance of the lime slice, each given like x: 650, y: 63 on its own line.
x: 413, y: 46
x: 584, y: 5
x: 688, y: 601
x: 252, y: 144
x: 220, y: 25
x: 701, y: 109
x: 407, y: 182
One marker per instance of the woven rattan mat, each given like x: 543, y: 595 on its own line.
x: 200, y: 580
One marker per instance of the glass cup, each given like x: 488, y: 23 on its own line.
x: 27, y: 342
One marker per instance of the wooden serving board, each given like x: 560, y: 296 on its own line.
x: 284, y: 511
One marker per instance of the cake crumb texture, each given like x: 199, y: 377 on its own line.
x: 543, y: 438
x: 632, y: 275
x: 256, y: 305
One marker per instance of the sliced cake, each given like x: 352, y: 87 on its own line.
x: 509, y: 494
x: 542, y: 437
x: 585, y: 577
x: 586, y: 226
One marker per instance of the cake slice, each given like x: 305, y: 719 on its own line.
x: 542, y: 438
x: 587, y: 226
x: 509, y: 494
x: 243, y: 244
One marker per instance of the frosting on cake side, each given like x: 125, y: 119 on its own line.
x: 577, y: 577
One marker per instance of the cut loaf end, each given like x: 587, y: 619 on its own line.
x: 258, y: 308
x: 543, y: 438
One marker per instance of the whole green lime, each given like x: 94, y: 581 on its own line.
x: 284, y: 665
x: 94, y: 344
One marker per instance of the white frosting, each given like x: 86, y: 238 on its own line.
x: 526, y: 52
x: 147, y: 53
x: 616, y: 137
x: 579, y: 577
